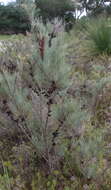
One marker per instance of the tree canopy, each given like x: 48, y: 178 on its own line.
x: 13, y: 19
x: 95, y: 7
x: 54, y: 8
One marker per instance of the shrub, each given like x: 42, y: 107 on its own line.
x: 40, y: 102
x: 36, y: 103
x: 99, y: 35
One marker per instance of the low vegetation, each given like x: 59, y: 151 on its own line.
x: 55, y: 108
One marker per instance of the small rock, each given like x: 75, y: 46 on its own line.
x: 73, y: 178
x: 85, y: 187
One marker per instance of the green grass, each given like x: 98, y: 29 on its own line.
x: 5, y: 37
x: 99, y: 33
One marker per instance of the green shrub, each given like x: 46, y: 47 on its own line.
x: 6, y: 181
x: 99, y: 36
x: 35, y: 98
x: 51, y: 115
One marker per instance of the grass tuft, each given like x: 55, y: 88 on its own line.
x: 99, y: 36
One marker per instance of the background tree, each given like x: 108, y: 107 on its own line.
x: 13, y: 20
x: 51, y: 9
x: 54, y: 8
x: 95, y: 7
x: 19, y: 2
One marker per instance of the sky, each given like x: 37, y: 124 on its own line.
x: 6, y: 1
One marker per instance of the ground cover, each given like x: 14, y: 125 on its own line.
x: 55, y: 110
